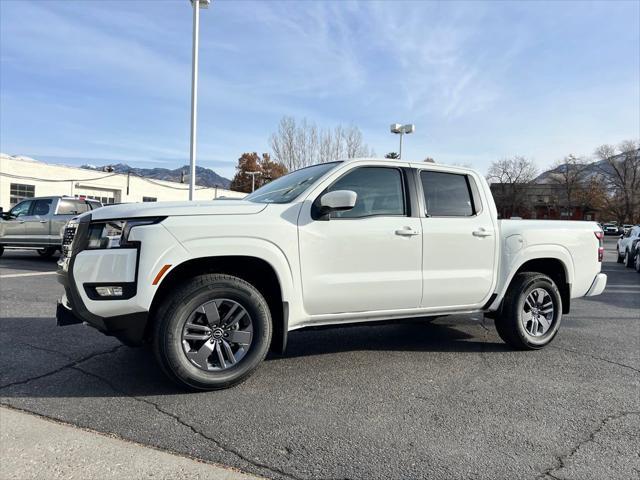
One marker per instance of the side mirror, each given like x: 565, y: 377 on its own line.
x: 337, y: 201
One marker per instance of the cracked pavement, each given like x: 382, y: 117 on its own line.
x: 416, y: 399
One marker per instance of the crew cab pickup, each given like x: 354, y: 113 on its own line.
x: 214, y: 285
x: 39, y: 222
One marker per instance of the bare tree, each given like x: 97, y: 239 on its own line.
x: 620, y: 169
x: 298, y: 144
x: 571, y: 174
x: 511, y: 176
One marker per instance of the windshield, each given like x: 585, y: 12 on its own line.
x: 286, y: 189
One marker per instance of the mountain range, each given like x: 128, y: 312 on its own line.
x: 595, y: 169
x: 204, y: 176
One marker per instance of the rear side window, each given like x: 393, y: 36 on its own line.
x: 42, y: 207
x: 380, y: 191
x: 72, y: 207
x: 94, y: 205
x: 447, y: 194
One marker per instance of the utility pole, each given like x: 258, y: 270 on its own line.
x: 197, y: 5
x: 253, y: 179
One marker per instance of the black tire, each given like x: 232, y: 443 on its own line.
x: 177, y: 309
x: 509, y: 321
x: 628, y: 259
x: 637, y: 261
x: 1, y: 250
x: 46, y: 252
x: 619, y: 258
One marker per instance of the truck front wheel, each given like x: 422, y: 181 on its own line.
x: 531, y: 312
x: 212, y: 332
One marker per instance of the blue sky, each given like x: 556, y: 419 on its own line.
x: 109, y: 81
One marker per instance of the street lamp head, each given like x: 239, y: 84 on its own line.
x: 396, y: 128
x: 408, y: 128
x: 202, y: 3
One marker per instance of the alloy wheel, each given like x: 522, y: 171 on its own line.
x: 538, y: 312
x: 217, y: 335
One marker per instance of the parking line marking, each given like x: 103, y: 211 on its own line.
x: 32, y: 274
x: 619, y: 285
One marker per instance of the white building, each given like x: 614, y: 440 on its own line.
x: 22, y: 177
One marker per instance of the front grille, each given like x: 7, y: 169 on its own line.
x: 67, y: 239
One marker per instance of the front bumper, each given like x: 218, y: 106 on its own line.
x: 71, y: 309
x: 598, y: 285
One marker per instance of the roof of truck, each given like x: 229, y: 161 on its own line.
x: 414, y: 164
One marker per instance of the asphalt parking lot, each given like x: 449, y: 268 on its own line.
x: 417, y: 399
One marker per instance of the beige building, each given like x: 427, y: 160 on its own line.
x: 23, y: 177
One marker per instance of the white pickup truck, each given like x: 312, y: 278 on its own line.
x: 214, y: 285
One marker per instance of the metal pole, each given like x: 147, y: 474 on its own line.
x: 400, y: 153
x: 253, y: 183
x: 194, y: 99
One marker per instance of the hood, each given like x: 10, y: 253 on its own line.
x: 165, y: 209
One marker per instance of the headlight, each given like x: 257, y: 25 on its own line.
x: 114, y: 233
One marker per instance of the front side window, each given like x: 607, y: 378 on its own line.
x: 19, y: 192
x: 72, y: 207
x: 446, y: 194
x: 149, y: 199
x: 21, y: 209
x: 42, y: 207
x: 288, y: 188
x: 380, y: 191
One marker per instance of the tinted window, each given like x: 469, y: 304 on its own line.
x: 42, y: 207
x: 446, y: 194
x: 21, y: 209
x: 72, y: 207
x: 94, y: 205
x: 380, y: 192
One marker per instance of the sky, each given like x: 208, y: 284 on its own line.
x: 89, y: 81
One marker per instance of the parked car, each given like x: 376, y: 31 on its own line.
x: 626, y: 228
x: 626, y: 246
x: 214, y: 285
x: 636, y: 257
x: 610, y: 229
x: 39, y: 222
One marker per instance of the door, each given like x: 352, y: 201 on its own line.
x: 367, y: 258
x: 13, y: 225
x: 38, y: 222
x: 459, y: 241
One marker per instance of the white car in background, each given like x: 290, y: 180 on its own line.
x: 626, y: 246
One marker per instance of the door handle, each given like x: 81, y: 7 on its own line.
x: 481, y: 232
x: 43, y: 221
x: 407, y: 232
x: 21, y: 221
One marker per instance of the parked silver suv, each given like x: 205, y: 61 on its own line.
x: 39, y: 222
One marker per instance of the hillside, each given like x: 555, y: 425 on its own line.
x: 204, y: 176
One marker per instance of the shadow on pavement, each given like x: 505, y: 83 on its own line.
x: 128, y: 371
x: 27, y: 261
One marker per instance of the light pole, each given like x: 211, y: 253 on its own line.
x: 197, y: 5
x: 402, y: 130
x: 253, y: 179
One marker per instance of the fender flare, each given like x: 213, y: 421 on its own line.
x: 534, y: 252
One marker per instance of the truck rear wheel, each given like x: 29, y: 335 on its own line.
x: 213, y: 332
x: 531, y: 312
